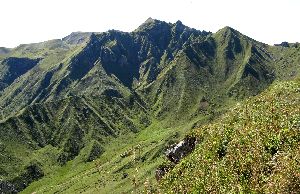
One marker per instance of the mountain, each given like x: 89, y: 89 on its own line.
x: 4, y: 50
x: 94, y: 112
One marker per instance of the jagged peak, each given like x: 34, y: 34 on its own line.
x: 180, y: 26
x: 150, y: 20
x: 228, y: 33
x: 4, y: 50
x: 77, y: 37
x: 92, y: 38
x: 178, y: 22
x: 283, y: 44
x: 150, y: 23
x: 226, y: 29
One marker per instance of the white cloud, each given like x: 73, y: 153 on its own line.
x: 29, y: 21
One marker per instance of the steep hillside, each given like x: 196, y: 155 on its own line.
x: 73, y: 127
x: 209, y: 72
x: 23, y: 86
x: 253, y: 148
x: 12, y: 68
x: 286, y: 61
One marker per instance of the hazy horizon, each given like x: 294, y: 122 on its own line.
x: 34, y: 21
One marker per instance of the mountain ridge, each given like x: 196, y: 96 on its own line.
x: 87, y: 93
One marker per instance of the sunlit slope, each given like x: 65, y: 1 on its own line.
x: 253, y: 148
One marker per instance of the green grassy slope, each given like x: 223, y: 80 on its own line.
x: 66, y: 129
x: 286, y: 61
x: 125, y: 166
x: 253, y: 148
x: 20, y: 88
x: 11, y: 68
x: 209, y: 73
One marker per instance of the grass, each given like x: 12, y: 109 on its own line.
x: 253, y: 149
x: 105, y: 175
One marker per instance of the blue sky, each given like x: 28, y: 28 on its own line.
x: 268, y: 21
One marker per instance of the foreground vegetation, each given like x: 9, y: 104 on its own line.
x: 254, y: 148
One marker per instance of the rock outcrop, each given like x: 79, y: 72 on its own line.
x: 180, y: 150
x: 7, y: 187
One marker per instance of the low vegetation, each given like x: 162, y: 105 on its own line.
x: 254, y: 148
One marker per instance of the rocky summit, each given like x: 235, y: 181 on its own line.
x: 108, y: 112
